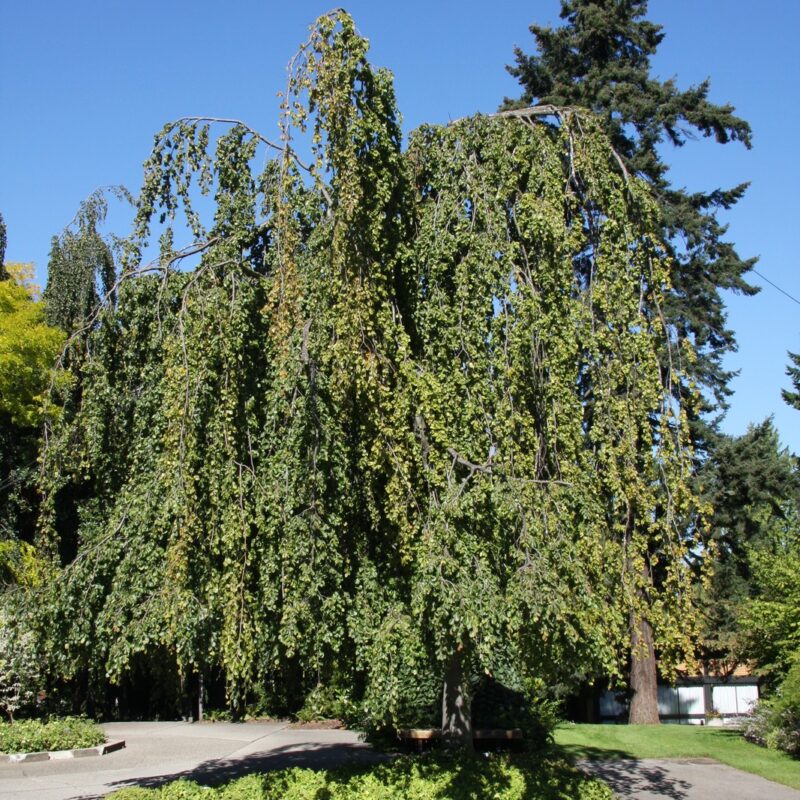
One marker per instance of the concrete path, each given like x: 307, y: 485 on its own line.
x: 159, y: 752
x: 684, y: 779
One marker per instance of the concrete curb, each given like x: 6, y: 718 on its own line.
x: 63, y: 755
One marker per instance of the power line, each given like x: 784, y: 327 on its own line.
x: 782, y: 291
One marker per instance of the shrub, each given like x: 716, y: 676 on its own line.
x: 409, y: 778
x: 775, y: 723
x: 327, y: 702
x: 33, y: 736
x: 19, y: 670
x: 496, y: 705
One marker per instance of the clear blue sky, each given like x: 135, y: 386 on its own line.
x: 84, y: 86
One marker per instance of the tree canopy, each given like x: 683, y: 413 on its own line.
x: 752, y: 484
x: 600, y: 59
x: 393, y: 417
x: 771, y: 637
x: 3, y: 243
x: 81, y: 268
x: 28, y: 348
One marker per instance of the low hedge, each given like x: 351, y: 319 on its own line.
x: 426, y: 777
x: 33, y: 735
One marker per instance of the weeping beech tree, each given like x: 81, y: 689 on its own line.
x: 392, y: 420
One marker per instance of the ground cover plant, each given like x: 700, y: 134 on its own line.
x: 421, y: 778
x: 677, y: 741
x: 33, y: 735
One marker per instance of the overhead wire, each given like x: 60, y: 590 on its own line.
x: 775, y: 285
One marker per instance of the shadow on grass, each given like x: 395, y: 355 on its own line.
x: 725, y: 733
x: 574, y: 752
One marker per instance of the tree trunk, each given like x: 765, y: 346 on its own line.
x: 456, y: 715
x: 200, y: 687
x: 708, y: 692
x: 644, y: 679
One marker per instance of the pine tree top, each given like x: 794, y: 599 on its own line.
x: 600, y: 59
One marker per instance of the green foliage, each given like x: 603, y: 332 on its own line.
x: 28, y: 349
x: 33, y: 736
x: 355, y: 435
x: 81, y: 267
x: 748, y: 481
x: 754, y: 488
x: 19, y: 662
x: 600, y: 59
x: 793, y: 371
x: 325, y: 702
x: 405, y: 691
x: 771, y: 636
x: 775, y: 723
x: 422, y: 778
x: 3, y: 243
x: 19, y: 564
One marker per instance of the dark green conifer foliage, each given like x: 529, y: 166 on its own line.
x: 600, y: 59
x: 793, y: 371
x: 748, y: 481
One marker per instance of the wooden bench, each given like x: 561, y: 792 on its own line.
x: 498, y: 739
x: 420, y: 739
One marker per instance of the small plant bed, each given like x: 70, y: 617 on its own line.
x: 318, y: 725
x: 35, y: 736
x: 433, y: 776
x: 602, y: 742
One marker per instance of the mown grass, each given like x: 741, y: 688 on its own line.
x: 676, y: 741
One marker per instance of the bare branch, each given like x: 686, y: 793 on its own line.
x: 487, y: 467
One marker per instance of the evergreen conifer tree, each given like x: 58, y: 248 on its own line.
x: 793, y: 371
x: 749, y: 482
x: 600, y: 59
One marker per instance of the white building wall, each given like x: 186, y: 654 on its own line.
x: 681, y: 702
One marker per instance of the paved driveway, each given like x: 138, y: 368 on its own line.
x: 158, y: 752
x: 685, y: 779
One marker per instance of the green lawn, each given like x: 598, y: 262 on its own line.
x: 677, y: 741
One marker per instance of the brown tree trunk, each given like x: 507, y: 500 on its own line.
x: 200, y: 687
x: 456, y: 713
x: 644, y: 679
